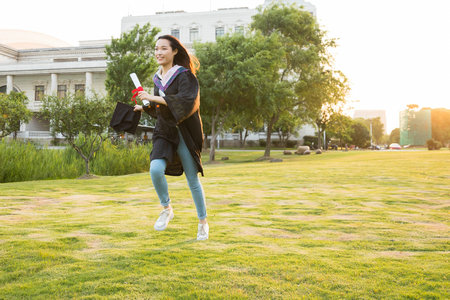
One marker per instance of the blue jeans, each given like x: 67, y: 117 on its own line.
x: 158, y: 167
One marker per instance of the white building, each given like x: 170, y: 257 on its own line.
x: 44, y: 65
x: 203, y: 26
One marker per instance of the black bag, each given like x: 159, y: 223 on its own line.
x: 124, y: 118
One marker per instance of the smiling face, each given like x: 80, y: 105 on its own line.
x: 164, y: 53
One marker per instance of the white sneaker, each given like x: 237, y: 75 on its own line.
x: 203, y: 232
x: 164, y: 217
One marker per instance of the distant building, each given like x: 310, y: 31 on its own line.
x: 415, y: 127
x: 204, y: 26
x: 371, y: 114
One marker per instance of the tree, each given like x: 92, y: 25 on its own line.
x: 360, y: 135
x: 394, y: 137
x: 340, y: 126
x: 377, y: 129
x: 304, y: 74
x: 286, y: 126
x: 440, y: 125
x: 131, y: 53
x: 236, y: 72
x: 13, y: 111
x: 81, y: 121
x: 243, y: 123
x: 332, y: 106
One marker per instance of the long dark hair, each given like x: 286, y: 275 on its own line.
x: 182, y: 58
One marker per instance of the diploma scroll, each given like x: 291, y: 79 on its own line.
x: 138, y: 86
x: 135, y: 79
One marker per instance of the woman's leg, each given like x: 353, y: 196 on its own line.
x: 191, y: 171
x: 157, y: 169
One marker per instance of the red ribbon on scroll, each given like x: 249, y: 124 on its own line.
x: 135, y: 93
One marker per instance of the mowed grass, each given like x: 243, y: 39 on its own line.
x: 356, y: 225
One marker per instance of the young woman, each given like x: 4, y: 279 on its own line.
x: 178, y: 135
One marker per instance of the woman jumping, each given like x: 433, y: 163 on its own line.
x: 178, y: 135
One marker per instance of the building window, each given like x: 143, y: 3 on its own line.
x: 62, y: 91
x: 220, y: 31
x: 38, y: 92
x: 175, y: 33
x: 193, y: 34
x: 79, y: 89
x: 239, y: 29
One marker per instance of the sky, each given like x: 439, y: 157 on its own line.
x: 393, y: 52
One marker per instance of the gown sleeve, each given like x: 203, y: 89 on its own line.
x: 150, y: 109
x: 187, y: 101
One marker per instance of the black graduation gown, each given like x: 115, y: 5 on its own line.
x: 182, y: 110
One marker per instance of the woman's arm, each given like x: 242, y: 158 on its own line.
x: 157, y: 99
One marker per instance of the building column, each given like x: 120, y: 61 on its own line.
x: 54, y: 85
x: 9, y: 84
x: 88, y: 88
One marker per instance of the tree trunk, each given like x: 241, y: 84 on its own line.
x: 86, y: 162
x: 319, y: 139
x: 93, y: 150
x: 280, y: 136
x: 245, y: 137
x: 205, y: 141
x: 269, y: 135
x: 286, y: 139
x: 212, y: 153
x: 241, y: 140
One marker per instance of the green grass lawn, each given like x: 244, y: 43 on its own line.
x: 357, y: 225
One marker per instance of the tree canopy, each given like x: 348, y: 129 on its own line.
x: 13, y: 111
x: 131, y: 53
x: 359, y: 135
x: 394, y: 137
x: 377, y: 129
x: 440, y: 125
x: 236, y: 74
x: 81, y: 121
x: 306, y: 80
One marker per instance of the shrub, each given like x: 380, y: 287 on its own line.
x: 311, y: 141
x: 433, y: 144
x: 291, y: 144
x: 251, y: 143
x: 25, y: 161
x: 121, y: 159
